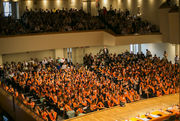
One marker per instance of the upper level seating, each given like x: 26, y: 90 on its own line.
x: 122, y: 22
x: 38, y: 21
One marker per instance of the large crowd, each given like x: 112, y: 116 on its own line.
x: 57, y: 87
x: 39, y: 20
x: 122, y: 22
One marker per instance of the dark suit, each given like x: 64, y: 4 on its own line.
x: 105, y: 51
x: 1, y: 73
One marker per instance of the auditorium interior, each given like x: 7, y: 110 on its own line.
x: 93, y: 60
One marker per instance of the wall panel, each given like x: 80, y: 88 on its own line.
x: 38, y: 42
x: 77, y: 55
x: 26, y: 56
x: 59, y: 53
x: 174, y: 27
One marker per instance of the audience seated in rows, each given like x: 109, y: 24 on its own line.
x: 107, y: 80
x: 39, y: 20
x: 122, y: 22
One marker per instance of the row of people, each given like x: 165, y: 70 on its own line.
x: 122, y: 22
x: 38, y: 21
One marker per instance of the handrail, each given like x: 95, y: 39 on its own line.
x: 78, y: 31
x: 19, y: 103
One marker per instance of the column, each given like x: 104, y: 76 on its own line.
x: 94, y: 8
x: 1, y: 6
x: 14, y: 9
x: 176, y: 49
x: 179, y: 30
x: 88, y: 6
x: 1, y: 62
x: 139, y: 48
x: 21, y: 7
x: 179, y: 50
x: 65, y: 52
x: 179, y: 34
x: 59, y: 53
x: 74, y: 56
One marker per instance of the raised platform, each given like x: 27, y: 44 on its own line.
x: 131, y: 109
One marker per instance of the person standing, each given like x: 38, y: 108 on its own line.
x: 105, y: 52
x: 176, y: 59
x: 1, y: 72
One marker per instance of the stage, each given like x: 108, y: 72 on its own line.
x: 130, y: 110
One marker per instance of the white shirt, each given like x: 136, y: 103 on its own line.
x: 63, y: 66
x: 44, y: 62
x: 62, y: 60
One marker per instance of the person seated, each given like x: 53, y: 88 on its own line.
x: 6, y: 88
x: 52, y: 115
x: 54, y: 98
x: 93, y: 106
x: 116, y: 100
x: 165, y: 90
x: 122, y: 98
x: 75, y: 104
x: 136, y: 96
x: 80, y: 110
x: 84, y: 102
x: 25, y: 101
x: 31, y: 104
x: 100, y: 105
x: 16, y: 94
x: 67, y: 107
x: 11, y: 89
x: 44, y: 114
x: 172, y: 90
x: 37, y: 110
x: 158, y: 92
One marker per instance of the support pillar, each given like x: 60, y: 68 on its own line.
x: 164, y: 21
x: 179, y: 30
x: 1, y: 7
x: 177, y: 49
x: 20, y: 8
x: 74, y: 56
x: 88, y: 6
x: 178, y: 43
x: 139, y: 48
x: 1, y: 62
